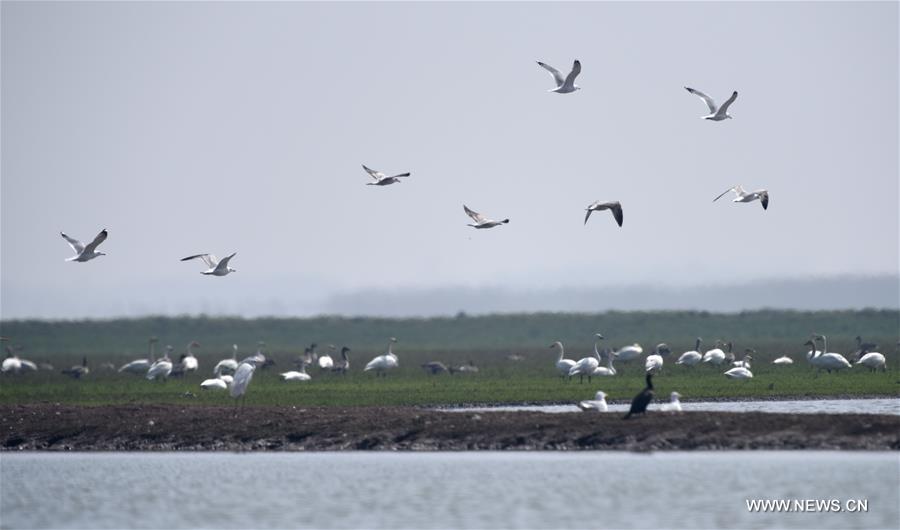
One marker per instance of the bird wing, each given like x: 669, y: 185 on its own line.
x: 477, y: 217
x: 401, y: 175
x: 616, y: 208
x: 724, y: 108
x: 725, y: 193
x: 709, y: 101
x: 209, y: 259
x: 101, y: 237
x: 576, y: 69
x: 223, y: 264
x: 377, y: 175
x: 76, y: 245
x: 764, y: 198
x: 557, y: 76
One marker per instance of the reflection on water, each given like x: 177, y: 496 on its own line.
x: 812, y: 406
x: 441, y: 490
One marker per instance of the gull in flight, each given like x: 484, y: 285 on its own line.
x: 216, y: 267
x: 381, y: 179
x: 85, y: 253
x: 482, y: 221
x: 716, y: 113
x: 614, y: 207
x: 747, y: 196
x: 567, y: 84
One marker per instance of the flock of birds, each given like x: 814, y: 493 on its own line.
x: 563, y: 85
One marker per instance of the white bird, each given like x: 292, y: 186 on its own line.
x: 673, y: 405
x: 715, y: 356
x: 295, y: 375
x: 242, y: 377
x: 189, y: 363
x: 564, y: 85
x: 85, y: 252
x: 140, y: 366
x: 325, y: 361
x: 482, y: 221
x: 216, y: 266
x: 715, y: 113
x: 215, y: 383
x: 385, y: 362
x: 784, y: 359
x: 742, y: 195
x: 587, y: 365
x: 598, y: 403
x: 604, y: 371
x: 739, y: 373
x: 28, y: 366
x: 161, y: 368
x: 654, y: 362
x: 828, y: 361
x: 629, y: 353
x: 227, y: 378
x: 745, y: 362
x: 11, y: 364
x: 381, y: 179
x: 227, y: 366
x: 562, y: 365
x: 691, y: 358
x: 614, y: 207
x: 873, y: 360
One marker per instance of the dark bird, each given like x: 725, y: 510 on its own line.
x: 434, y: 367
x: 862, y: 348
x: 78, y: 371
x: 640, y: 401
x: 342, y: 366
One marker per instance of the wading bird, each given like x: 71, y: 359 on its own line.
x: 716, y: 113
x: 874, y: 361
x: 387, y: 361
x: 614, y: 207
x: 564, y: 85
x: 242, y: 377
x: 85, y: 252
x: 828, y: 361
x: 654, y: 362
x: 140, y: 366
x: 216, y: 266
x: 562, y: 365
x: 715, y: 356
x: 227, y: 366
x: 381, y: 179
x: 161, y: 368
x: 587, y: 365
x: 691, y: 358
x: 342, y: 366
x: 747, y: 196
x: 482, y: 221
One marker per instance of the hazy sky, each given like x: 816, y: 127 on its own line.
x: 221, y: 127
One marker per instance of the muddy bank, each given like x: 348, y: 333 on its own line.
x: 172, y: 427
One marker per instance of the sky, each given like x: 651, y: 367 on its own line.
x: 240, y: 127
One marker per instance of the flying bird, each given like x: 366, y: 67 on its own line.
x: 85, y: 253
x: 482, y: 221
x: 716, y: 113
x: 567, y: 84
x: 381, y: 179
x: 216, y: 267
x: 614, y: 207
x: 747, y: 196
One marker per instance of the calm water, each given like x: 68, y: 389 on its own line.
x: 441, y: 490
x: 812, y: 406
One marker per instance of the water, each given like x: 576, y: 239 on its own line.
x: 812, y: 406
x: 442, y: 490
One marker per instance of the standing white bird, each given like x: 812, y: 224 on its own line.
x: 739, y: 373
x: 140, y: 366
x: 654, y: 362
x: 715, y: 356
x: 482, y: 221
x: 784, y: 359
x: 227, y: 366
x: 716, y: 113
x: 673, y: 405
x: 562, y: 365
x: 85, y: 252
x: 614, y: 207
x: 742, y: 195
x: 598, y: 403
x: 381, y: 179
x: 162, y: 367
x: 828, y: 361
x: 587, y: 365
x: 873, y: 360
x: 564, y: 85
x: 691, y: 358
x: 242, y: 377
x: 216, y: 266
x: 189, y: 363
x: 385, y: 362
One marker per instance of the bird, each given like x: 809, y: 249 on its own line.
x: 140, y: 366
x: 587, y: 365
x: 567, y: 84
x: 826, y: 360
x: 216, y: 266
x: 654, y: 362
x: 742, y: 195
x: 873, y: 360
x: 614, y: 207
x: 434, y: 367
x: 161, y: 368
x: 598, y: 403
x: 325, y: 361
x: 673, y: 405
x: 691, y: 358
x: 716, y: 113
x: 482, y: 221
x: 227, y: 366
x: 745, y: 362
x: 215, y: 383
x: 562, y: 365
x: 640, y: 401
x: 242, y: 377
x: 342, y: 366
x: 468, y: 368
x: 189, y: 363
x: 605, y: 371
x: 11, y: 364
x: 79, y: 370
x: 739, y: 372
x: 381, y: 179
x: 84, y: 252
x: 384, y: 362
x: 227, y: 378
x: 715, y: 356
x: 629, y: 353
x: 296, y: 375
x: 861, y: 348
x: 784, y: 359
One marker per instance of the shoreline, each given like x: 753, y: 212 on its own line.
x: 49, y: 427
